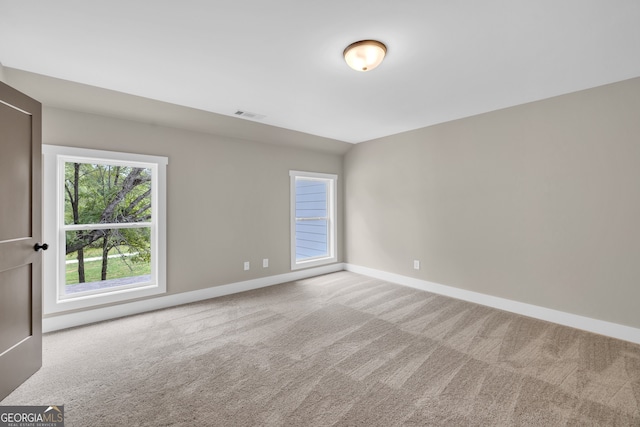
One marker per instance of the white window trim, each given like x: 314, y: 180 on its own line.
x: 53, y: 173
x: 332, y: 200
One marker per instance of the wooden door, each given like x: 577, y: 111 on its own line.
x: 20, y: 231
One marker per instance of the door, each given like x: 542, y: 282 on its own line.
x: 20, y: 232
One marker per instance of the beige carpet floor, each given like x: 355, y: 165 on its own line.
x: 340, y: 349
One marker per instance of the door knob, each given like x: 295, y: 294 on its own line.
x: 39, y: 246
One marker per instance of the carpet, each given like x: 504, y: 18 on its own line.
x: 335, y: 350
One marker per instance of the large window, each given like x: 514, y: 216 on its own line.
x: 313, y: 219
x: 104, y: 214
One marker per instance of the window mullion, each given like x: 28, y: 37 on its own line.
x: 104, y: 226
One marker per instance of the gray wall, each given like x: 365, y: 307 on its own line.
x: 538, y: 203
x: 228, y: 199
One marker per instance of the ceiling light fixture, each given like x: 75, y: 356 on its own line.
x: 365, y: 55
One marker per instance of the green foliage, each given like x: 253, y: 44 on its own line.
x: 97, y: 187
x: 98, y: 194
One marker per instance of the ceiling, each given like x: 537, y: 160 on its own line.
x: 446, y: 59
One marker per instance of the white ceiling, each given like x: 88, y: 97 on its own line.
x: 446, y: 59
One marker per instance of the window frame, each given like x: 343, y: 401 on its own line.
x: 54, y: 159
x: 331, y: 180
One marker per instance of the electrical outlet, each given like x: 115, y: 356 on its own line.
x: 247, y: 265
x: 416, y: 264
x: 265, y: 263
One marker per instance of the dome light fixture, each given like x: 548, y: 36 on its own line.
x: 365, y: 55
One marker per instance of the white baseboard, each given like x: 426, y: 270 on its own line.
x: 64, y: 321
x: 601, y: 327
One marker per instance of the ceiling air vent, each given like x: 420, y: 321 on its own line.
x: 249, y: 115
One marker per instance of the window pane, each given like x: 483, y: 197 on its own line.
x: 97, y: 193
x: 311, y: 239
x: 104, y: 259
x: 313, y: 201
x: 312, y: 218
x: 311, y: 198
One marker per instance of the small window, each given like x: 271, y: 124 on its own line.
x: 105, y: 224
x: 313, y: 219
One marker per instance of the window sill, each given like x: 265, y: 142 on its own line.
x: 92, y: 300
x: 313, y: 263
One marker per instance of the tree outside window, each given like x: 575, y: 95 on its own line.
x: 115, y: 202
